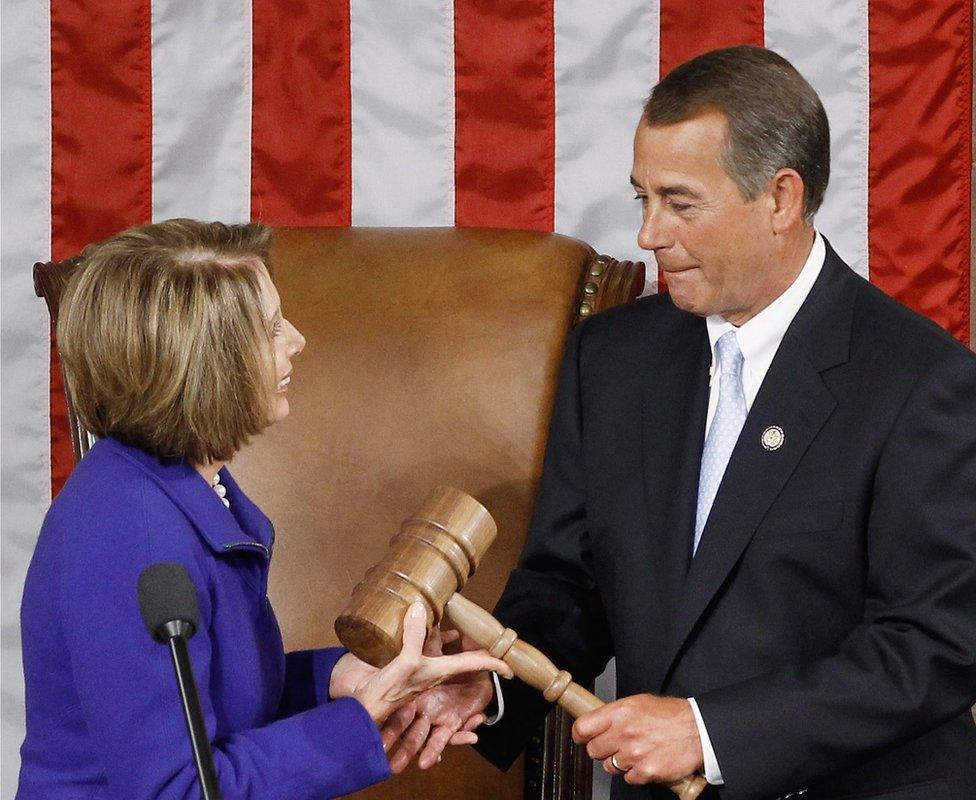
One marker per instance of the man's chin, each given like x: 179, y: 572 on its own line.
x: 684, y: 299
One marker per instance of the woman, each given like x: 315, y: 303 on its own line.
x: 176, y: 353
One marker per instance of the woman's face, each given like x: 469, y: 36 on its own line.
x: 286, y: 343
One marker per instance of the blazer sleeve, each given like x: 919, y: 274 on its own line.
x: 909, y: 665
x: 551, y: 599
x: 128, y: 698
x: 307, y: 677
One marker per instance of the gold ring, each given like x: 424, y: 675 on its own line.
x: 616, y: 766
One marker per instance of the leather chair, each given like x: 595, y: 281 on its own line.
x: 431, y: 357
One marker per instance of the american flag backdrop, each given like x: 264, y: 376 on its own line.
x: 509, y: 113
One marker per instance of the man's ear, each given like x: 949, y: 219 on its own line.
x: 786, y: 200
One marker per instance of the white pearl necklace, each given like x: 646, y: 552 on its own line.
x: 220, y: 489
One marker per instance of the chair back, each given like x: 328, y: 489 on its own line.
x: 431, y: 358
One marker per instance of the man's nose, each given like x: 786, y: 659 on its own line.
x: 654, y: 232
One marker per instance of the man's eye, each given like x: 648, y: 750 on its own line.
x: 641, y: 197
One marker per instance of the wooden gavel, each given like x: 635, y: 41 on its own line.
x: 430, y: 560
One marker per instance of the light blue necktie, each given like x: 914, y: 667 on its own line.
x: 730, y: 414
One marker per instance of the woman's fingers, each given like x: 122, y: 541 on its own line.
x: 414, y: 631
x: 464, y: 737
x: 411, y: 672
x: 471, y: 661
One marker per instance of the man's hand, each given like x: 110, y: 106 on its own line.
x: 446, y: 714
x: 653, y: 739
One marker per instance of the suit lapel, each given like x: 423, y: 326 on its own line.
x: 793, y: 397
x: 673, y: 408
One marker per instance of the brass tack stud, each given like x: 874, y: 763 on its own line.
x: 591, y: 288
x: 597, y: 269
x: 585, y: 309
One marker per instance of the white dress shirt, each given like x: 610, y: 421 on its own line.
x: 759, y: 339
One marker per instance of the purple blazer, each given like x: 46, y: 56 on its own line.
x: 103, y: 713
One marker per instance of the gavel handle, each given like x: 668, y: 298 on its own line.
x: 531, y: 665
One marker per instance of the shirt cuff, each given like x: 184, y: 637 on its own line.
x: 712, y: 772
x: 499, y: 701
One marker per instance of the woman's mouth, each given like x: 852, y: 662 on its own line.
x: 283, y: 383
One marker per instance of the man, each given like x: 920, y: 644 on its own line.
x: 759, y: 490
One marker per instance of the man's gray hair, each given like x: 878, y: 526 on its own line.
x: 775, y: 118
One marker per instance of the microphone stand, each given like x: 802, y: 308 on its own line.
x: 176, y: 633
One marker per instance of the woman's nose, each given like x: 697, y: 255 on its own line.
x: 297, y: 341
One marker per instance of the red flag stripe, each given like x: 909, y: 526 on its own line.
x: 301, y: 130
x: 919, y: 158
x: 689, y: 29
x: 504, y: 113
x: 101, y: 145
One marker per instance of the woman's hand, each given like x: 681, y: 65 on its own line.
x: 411, y: 672
x: 348, y: 672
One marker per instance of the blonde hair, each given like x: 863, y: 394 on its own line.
x: 163, y: 341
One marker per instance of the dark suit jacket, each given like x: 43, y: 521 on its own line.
x: 827, y: 625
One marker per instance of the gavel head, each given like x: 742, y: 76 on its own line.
x: 437, y: 549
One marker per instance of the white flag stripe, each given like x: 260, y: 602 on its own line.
x: 402, y: 68
x: 605, y: 66
x: 828, y: 43
x: 25, y: 423
x: 201, y: 110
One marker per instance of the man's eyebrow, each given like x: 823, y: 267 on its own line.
x: 669, y: 191
x: 679, y: 189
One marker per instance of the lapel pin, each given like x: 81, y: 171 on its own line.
x: 773, y: 437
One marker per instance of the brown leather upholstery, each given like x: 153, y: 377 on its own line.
x: 431, y: 358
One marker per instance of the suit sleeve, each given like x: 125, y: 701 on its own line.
x: 127, y: 692
x: 551, y: 599
x: 909, y: 665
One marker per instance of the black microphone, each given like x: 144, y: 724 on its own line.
x: 168, y: 602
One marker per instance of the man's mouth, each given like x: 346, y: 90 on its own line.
x: 673, y: 269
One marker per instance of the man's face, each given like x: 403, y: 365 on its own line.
x: 715, y: 248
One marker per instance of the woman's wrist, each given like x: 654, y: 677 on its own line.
x: 340, y: 683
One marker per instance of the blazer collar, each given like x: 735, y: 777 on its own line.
x: 793, y: 397
x: 243, y: 526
